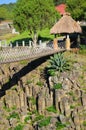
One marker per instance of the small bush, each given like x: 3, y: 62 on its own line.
x: 51, y: 109
x: 44, y: 122
x: 58, y: 86
x: 84, y: 123
x: 29, y: 81
x: 60, y: 126
x: 13, y: 115
x: 58, y: 63
x: 38, y: 117
x: 32, y: 99
x: 39, y: 83
x: 51, y: 72
x: 82, y: 49
x: 72, y: 107
x: 19, y: 127
x: 27, y: 118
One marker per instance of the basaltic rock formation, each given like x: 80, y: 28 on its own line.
x: 29, y: 101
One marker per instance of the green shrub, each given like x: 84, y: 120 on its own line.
x: 19, y: 127
x: 29, y: 81
x: 82, y: 49
x: 27, y: 118
x: 39, y: 83
x: 13, y: 115
x: 32, y: 99
x: 44, y: 122
x: 38, y: 117
x: 51, y: 72
x: 51, y: 109
x: 84, y: 123
x: 58, y: 63
x: 6, y: 108
x: 72, y: 106
x: 60, y: 126
x: 57, y: 86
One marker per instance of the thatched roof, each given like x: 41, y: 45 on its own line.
x: 66, y: 25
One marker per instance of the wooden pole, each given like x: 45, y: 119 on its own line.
x: 55, y: 43
x: 67, y: 46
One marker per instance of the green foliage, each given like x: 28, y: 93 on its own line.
x: 71, y: 93
x: 6, y: 108
x: 58, y: 63
x: 77, y: 8
x: 72, y: 106
x: 38, y: 117
x: 29, y: 81
x: 82, y: 49
x: 14, y: 107
x: 33, y: 100
x: 84, y: 123
x: 13, y: 115
x: 19, y: 127
x: 51, y: 72
x: 60, y: 126
x: 27, y: 118
x: 7, y: 10
x: 44, y: 122
x: 34, y: 15
x: 51, y: 109
x: 57, y: 86
x: 39, y: 83
x: 57, y: 2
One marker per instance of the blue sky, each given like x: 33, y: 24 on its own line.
x: 7, y: 1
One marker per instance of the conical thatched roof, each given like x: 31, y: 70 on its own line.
x: 66, y: 25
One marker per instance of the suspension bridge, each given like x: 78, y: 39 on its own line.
x: 15, y: 54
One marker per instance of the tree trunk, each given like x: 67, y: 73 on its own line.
x: 35, y: 37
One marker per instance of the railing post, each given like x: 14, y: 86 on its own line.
x: 11, y: 45
x: 40, y: 42
x: 23, y: 43
x: 0, y: 44
x: 30, y: 43
x: 5, y: 44
x: 16, y: 43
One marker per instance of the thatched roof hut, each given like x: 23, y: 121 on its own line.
x: 66, y: 25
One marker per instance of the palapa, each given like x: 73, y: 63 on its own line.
x: 66, y: 25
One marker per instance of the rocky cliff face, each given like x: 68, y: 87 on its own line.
x: 29, y: 100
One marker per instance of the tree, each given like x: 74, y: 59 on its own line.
x: 77, y: 8
x: 6, y: 11
x: 57, y: 2
x: 3, y: 11
x: 33, y: 15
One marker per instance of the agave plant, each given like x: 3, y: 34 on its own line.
x: 58, y: 63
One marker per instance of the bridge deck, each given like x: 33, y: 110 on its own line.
x: 8, y: 55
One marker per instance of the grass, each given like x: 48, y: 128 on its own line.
x: 82, y: 49
x: 57, y: 86
x: 72, y: 106
x: 44, y: 35
x: 51, y: 109
x: 13, y: 115
x: 19, y: 127
x: 33, y: 100
x: 27, y: 118
x: 39, y: 83
x: 29, y: 81
x: 44, y: 122
x: 84, y: 123
x: 60, y: 126
x: 38, y: 117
